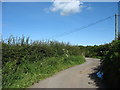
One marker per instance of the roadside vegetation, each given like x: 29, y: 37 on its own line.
x: 111, y: 64
x: 110, y: 61
x: 25, y: 62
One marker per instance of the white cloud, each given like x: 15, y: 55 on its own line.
x: 67, y: 8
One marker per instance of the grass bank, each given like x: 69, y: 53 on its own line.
x: 29, y: 73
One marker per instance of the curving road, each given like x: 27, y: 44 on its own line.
x: 80, y: 76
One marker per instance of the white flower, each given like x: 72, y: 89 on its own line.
x: 63, y: 49
x: 66, y: 55
x: 67, y: 51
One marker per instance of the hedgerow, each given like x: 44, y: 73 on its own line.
x: 110, y: 61
x: 25, y: 62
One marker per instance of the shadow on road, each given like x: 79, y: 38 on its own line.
x: 97, y: 81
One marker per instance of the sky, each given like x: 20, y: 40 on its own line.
x: 0, y: 19
x: 48, y: 20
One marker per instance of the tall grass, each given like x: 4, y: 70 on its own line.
x: 26, y: 62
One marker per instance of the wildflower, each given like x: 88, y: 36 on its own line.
x: 66, y: 55
x: 18, y: 85
x: 67, y: 51
x: 63, y: 49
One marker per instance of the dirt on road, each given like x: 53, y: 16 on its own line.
x: 80, y: 76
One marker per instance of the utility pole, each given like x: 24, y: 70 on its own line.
x: 116, y: 26
x: 117, y: 23
x: 119, y: 20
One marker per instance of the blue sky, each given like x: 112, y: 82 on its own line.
x: 41, y: 20
x: 0, y: 17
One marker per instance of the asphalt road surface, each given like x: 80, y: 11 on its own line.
x: 80, y: 76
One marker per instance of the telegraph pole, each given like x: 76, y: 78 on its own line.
x: 117, y: 23
x: 119, y: 20
x: 116, y: 26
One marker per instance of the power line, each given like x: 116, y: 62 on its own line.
x: 81, y: 28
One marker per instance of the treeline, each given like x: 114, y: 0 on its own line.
x: 25, y: 62
x: 110, y: 59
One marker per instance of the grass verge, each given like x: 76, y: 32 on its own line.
x: 28, y: 73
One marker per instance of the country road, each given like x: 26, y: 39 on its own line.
x: 80, y: 76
